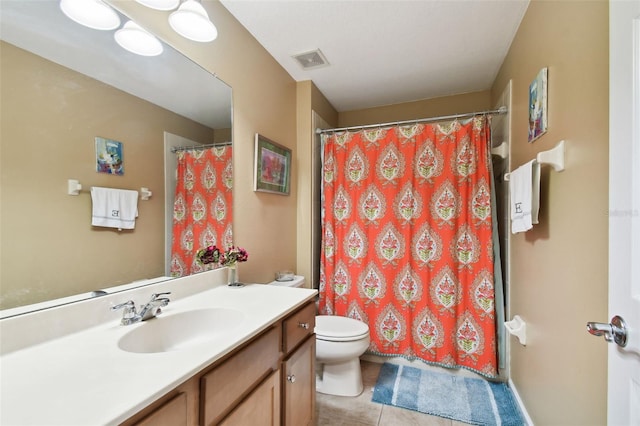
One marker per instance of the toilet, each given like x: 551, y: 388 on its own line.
x: 339, y: 343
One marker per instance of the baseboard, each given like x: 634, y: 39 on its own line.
x: 525, y: 414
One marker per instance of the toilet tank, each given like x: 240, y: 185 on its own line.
x: 297, y: 281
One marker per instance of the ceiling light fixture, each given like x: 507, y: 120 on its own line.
x: 91, y: 13
x: 136, y: 40
x: 191, y: 21
x: 160, y: 4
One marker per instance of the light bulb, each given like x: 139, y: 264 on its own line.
x: 91, y: 13
x: 191, y: 21
x: 136, y: 40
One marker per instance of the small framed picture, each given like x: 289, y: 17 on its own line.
x: 538, y: 106
x: 109, y: 157
x: 272, y: 167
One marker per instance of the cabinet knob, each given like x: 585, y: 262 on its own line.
x: 291, y: 378
x: 304, y: 325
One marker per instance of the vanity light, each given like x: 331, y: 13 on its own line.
x: 136, y: 40
x: 91, y: 13
x: 191, y: 21
x: 160, y: 4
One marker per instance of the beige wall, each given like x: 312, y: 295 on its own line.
x: 447, y: 105
x: 309, y: 99
x: 264, y: 101
x: 50, y: 117
x: 559, y: 269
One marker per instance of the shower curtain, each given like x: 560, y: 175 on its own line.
x: 407, y: 240
x: 202, y: 210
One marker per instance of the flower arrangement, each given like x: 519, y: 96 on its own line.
x: 233, y: 255
x: 230, y: 257
x: 208, y: 255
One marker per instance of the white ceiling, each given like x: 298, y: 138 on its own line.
x: 386, y: 52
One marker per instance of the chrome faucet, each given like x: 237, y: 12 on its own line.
x: 147, y: 311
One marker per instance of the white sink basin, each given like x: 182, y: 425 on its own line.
x: 181, y: 331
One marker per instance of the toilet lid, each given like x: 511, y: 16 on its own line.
x: 333, y: 327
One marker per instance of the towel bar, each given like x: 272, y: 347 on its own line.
x: 74, y: 187
x: 553, y: 157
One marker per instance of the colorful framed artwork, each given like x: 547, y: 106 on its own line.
x: 109, y: 158
x: 272, y: 167
x: 538, y: 106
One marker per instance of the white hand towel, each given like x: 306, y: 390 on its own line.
x: 524, y: 188
x: 114, y: 208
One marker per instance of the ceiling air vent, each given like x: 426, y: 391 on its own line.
x: 310, y: 60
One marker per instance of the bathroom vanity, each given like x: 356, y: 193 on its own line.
x: 257, y: 367
x: 267, y: 381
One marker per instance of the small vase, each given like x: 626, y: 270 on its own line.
x: 232, y: 276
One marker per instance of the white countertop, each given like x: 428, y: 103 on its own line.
x: 84, y: 378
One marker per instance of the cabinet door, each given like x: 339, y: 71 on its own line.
x: 299, y: 326
x: 171, y: 413
x: 299, y: 385
x: 226, y: 384
x: 260, y: 408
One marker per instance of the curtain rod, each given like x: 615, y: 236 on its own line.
x: 501, y: 110
x: 211, y: 145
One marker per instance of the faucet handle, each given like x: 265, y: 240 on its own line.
x: 129, y: 315
x: 129, y: 308
x: 126, y: 305
x: 154, y: 296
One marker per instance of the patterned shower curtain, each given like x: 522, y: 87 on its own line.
x: 202, y: 210
x: 407, y: 240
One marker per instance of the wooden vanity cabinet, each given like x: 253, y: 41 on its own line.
x: 231, y: 381
x: 268, y: 381
x: 177, y: 408
x: 171, y: 413
x: 298, y: 367
x: 261, y: 407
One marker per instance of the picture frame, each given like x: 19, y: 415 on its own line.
x: 272, y: 167
x: 538, y: 105
x: 109, y: 156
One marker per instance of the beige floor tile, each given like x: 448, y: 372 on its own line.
x: 344, y: 410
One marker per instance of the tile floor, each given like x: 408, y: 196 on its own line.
x: 361, y: 411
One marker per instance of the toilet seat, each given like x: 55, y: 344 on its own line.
x: 340, y: 329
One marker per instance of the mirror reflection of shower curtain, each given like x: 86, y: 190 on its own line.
x: 408, y: 240
x: 202, y: 213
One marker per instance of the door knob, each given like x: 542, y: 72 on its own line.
x: 615, y: 331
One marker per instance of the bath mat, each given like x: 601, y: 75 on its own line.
x: 469, y: 400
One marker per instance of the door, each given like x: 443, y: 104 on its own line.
x: 624, y: 208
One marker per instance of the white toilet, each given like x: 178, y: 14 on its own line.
x: 339, y: 343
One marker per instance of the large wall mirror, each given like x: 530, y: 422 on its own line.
x: 62, y: 85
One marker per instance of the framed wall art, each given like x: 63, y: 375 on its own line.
x: 538, y: 106
x: 272, y: 167
x: 109, y: 156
